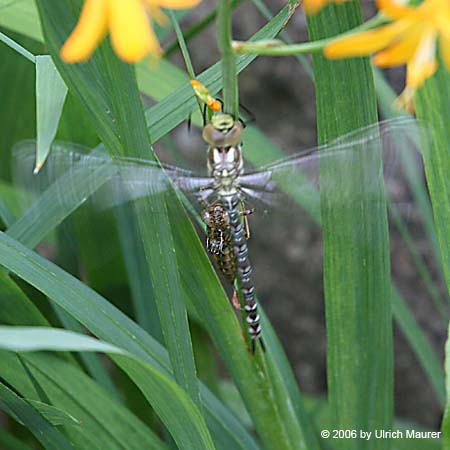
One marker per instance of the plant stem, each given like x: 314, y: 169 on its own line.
x: 184, y: 51
x: 278, y: 48
x: 229, y: 72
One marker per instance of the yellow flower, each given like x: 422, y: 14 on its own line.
x: 312, y: 7
x: 128, y: 22
x: 409, y: 39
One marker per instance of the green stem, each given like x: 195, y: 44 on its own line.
x: 277, y: 48
x: 182, y: 44
x: 18, y: 48
x: 184, y: 51
x: 229, y: 71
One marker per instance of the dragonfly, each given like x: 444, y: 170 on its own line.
x: 225, y: 193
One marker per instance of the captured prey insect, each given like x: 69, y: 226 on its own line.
x: 203, y: 94
x: 224, y: 194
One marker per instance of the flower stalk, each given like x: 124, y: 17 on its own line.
x: 229, y: 70
x: 278, y: 48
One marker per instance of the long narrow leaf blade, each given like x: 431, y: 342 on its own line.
x: 356, y: 274
x: 51, y: 93
x: 175, y: 409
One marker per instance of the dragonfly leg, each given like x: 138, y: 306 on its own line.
x: 245, y: 213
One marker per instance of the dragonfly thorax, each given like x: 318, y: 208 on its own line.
x: 225, y: 164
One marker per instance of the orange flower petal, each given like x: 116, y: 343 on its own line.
x: 90, y: 30
x: 394, y: 9
x: 360, y: 44
x: 423, y: 64
x: 131, y: 34
x: 173, y: 4
x: 312, y: 7
x: 158, y: 15
x: 402, y: 51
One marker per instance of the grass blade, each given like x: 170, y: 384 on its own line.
x: 20, y: 409
x: 108, y: 323
x: 50, y: 97
x: 114, y: 85
x: 104, y: 420
x: 356, y: 276
x: 420, y: 345
x: 177, y: 412
x: 433, y: 107
x: 9, y: 441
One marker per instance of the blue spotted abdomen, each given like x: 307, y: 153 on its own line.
x: 244, y: 268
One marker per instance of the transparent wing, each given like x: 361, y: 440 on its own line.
x: 118, y: 180
x: 348, y: 156
x: 79, y: 194
x: 76, y: 171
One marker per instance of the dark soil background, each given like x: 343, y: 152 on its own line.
x: 287, y: 251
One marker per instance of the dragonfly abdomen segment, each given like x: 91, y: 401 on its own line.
x: 244, y: 269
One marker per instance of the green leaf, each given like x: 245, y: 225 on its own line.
x: 272, y: 414
x: 57, y: 203
x: 10, y: 442
x: 108, y: 323
x: 17, y: 108
x: 176, y: 410
x: 105, y: 422
x: 433, y: 106
x: 16, y: 308
x: 446, y: 420
x: 21, y: 16
x: 142, y: 294
x: 432, y: 103
x: 54, y: 415
x: 356, y: 272
x: 20, y: 410
x: 419, y: 343
x: 386, y: 97
x: 91, y: 361
x: 105, y: 80
x: 50, y: 96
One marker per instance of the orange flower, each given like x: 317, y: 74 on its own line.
x: 410, y: 39
x: 312, y: 7
x: 128, y: 22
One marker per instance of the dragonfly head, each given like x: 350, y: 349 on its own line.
x: 223, y: 131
